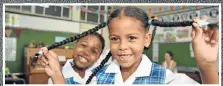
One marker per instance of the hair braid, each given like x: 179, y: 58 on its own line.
x: 99, y: 67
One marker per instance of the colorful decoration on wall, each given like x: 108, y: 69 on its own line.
x: 170, y: 36
x: 159, y: 38
x: 182, y: 33
x: 148, y: 10
x: 18, y: 32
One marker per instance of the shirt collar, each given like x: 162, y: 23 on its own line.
x: 114, y: 67
x: 144, y: 68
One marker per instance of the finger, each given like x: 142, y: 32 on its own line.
x: 204, y: 18
x: 193, y: 34
x: 53, y: 54
x: 42, y: 49
x: 54, y: 60
x: 196, y: 19
x: 42, y: 63
x: 45, y: 50
x: 215, y: 36
x: 44, y: 59
x: 198, y: 30
x: 47, y: 54
x: 208, y: 34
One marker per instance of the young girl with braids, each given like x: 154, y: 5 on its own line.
x: 128, y: 34
x: 86, y: 52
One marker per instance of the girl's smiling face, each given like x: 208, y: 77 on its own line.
x: 127, y: 40
x: 87, y: 51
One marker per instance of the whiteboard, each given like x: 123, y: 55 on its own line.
x: 10, y: 49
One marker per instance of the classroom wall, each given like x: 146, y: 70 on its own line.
x: 181, y: 52
x: 48, y: 37
x: 42, y: 23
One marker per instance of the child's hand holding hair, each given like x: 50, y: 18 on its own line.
x: 205, y: 46
x: 49, y: 60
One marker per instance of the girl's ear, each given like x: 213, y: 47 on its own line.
x: 147, y: 39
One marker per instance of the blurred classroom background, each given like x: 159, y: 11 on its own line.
x: 29, y: 27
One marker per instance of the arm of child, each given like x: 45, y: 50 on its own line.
x: 205, y: 46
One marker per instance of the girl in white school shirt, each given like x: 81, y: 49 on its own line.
x: 128, y: 34
x: 86, y: 55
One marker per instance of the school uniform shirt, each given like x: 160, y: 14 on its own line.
x: 71, y: 76
x: 146, y: 73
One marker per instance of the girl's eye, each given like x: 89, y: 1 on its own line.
x: 114, y: 38
x: 132, y: 38
x: 83, y: 45
x: 94, y: 51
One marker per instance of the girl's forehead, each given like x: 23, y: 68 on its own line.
x: 125, y: 25
x: 91, y: 38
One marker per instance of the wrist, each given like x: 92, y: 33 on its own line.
x: 58, y: 78
x: 207, y: 66
x: 57, y: 74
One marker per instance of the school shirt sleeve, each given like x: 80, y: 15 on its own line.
x: 178, y: 78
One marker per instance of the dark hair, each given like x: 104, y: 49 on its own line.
x: 170, y: 53
x: 133, y: 12
x: 130, y: 11
x: 100, y: 38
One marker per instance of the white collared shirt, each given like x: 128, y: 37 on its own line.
x: 68, y: 72
x: 144, y: 69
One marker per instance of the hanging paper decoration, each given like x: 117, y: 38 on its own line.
x: 177, y: 8
x: 8, y: 32
x: 150, y: 10
x: 160, y: 9
x: 171, y: 8
x: 166, y: 8
x: 196, y: 6
x: 155, y: 10
x: 184, y: 7
x: 191, y: 7
x: 18, y: 32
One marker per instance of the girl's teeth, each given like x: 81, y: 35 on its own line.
x: 82, y: 59
x: 125, y: 57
